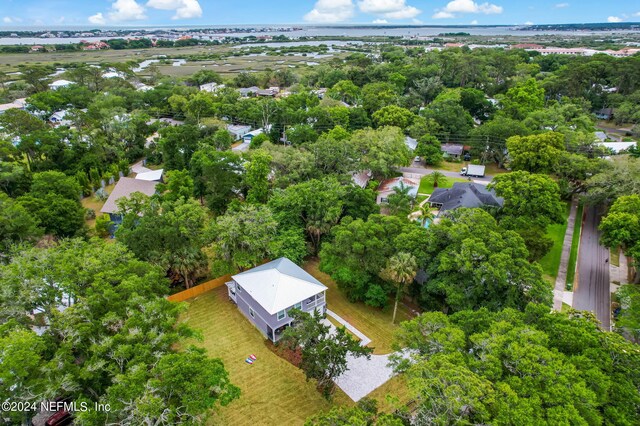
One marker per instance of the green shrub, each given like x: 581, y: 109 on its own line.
x: 376, y: 297
x: 103, y: 225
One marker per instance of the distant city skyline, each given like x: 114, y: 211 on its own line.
x: 110, y: 13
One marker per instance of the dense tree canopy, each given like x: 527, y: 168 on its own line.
x: 115, y: 343
x: 471, y: 262
x: 518, y: 367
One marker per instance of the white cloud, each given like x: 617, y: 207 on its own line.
x: 392, y: 9
x: 528, y: 23
x: 443, y: 15
x: 474, y: 22
x: 379, y: 21
x: 126, y: 10
x: 614, y: 19
x: 466, y: 6
x: 636, y: 14
x: 97, y: 19
x: 329, y: 11
x: 185, y: 9
x: 11, y: 20
x: 561, y: 5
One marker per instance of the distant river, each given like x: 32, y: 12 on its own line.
x: 312, y: 31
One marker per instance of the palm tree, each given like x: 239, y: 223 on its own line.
x: 186, y: 263
x: 425, y: 214
x: 401, y: 269
x: 401, y: 200
x: 436, y: 177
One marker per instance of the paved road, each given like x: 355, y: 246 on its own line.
x: 417, y: 168
x: 593, y: 292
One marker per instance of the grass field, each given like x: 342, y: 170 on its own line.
x: 551, y: 262
x: 234, y: 65
x: 375, y: 323
x: 273, y: 390
x: 575, y: 243
x: 226, y: 67
x: 426, y: 187
x: 91, y: 202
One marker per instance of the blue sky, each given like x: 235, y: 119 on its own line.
x: 94, y: 13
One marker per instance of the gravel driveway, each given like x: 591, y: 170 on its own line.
x: 363, y: 375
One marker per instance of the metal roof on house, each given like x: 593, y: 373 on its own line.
x: 411, y: 143
x: 279, y: 284
x: 124, y: 188
x: 465, y: 194
x: 601, y: 136
x: 617, y: 147
x: 153, y: 175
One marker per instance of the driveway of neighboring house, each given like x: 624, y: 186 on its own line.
x: 363, y: 375
x: 244, y: 146
x: 139, y: 168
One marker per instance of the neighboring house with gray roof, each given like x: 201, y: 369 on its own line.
x: 123, y: 189
x: 601, y: 136
x: 266, y: 294
x: 464, y: 194
x: 248, y: 91
x: 452, y: 150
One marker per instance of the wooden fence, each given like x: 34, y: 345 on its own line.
x: 199, y: 289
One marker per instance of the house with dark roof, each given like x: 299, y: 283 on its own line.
x: 248, y: 91
x: 464, y: 194
x: 451, y: 150
x: 605, y: 114
x: 266, y: 294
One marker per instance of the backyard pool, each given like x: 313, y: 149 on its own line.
x: 426, y: 224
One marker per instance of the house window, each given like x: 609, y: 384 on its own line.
x: 298, y: 306
x: 253, y: 314
x: 281, y: 315
x: 238, y: 288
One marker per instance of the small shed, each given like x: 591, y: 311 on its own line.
x: 248, y: 137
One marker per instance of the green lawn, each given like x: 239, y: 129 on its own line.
x: 375, y: 323
x: 91, y: 202
x: 426, y: 187
x: 575, y: 243
x: 273, y: 390
x: 551, y: 262
x: 492, y: 169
